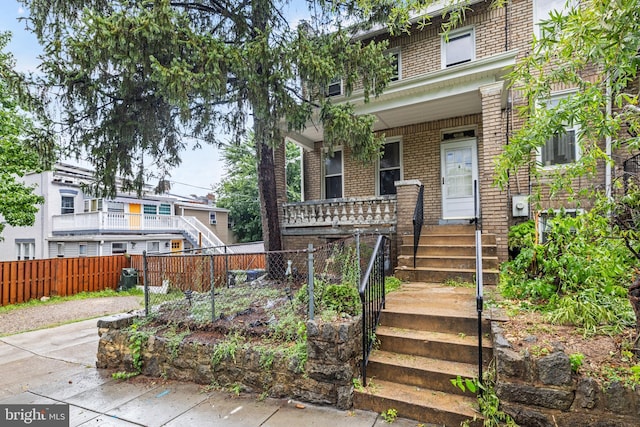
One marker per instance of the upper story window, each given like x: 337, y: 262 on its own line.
x: 459, y: 47
x: 93, y: 205
x: 150, y: 209
x: 212, y: 218
x: 67, y: 205
x: 542, y: 11
x: 396, y: 62
x: 165, y: 209
x: 562, y: 148
x: 333, y: 175
x: 389, y: 168
x: 115, y: 207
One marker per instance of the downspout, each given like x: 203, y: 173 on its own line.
x: 607, y: 167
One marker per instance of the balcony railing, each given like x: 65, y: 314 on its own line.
x: 114, y: 221
x: 352, y: 212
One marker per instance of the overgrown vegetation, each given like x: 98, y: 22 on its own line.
x: 578, y: 276
x: 488, y: 401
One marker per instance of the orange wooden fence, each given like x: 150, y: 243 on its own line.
x: 194, y: 271
x: 21, y: 281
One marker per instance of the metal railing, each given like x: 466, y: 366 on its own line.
x: 418, y: 221
x: 479, y: 285
x: 372, y: 297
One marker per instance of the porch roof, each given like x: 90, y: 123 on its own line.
x: 450, y: 92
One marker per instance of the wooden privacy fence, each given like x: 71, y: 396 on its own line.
x: 21, y: 281
x: 187, y: 271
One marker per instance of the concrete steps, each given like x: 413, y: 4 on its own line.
x: 427, y: 336
x: 447, y: 252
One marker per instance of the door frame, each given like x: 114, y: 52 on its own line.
x: 470, y: 204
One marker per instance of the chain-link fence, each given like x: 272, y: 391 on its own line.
x: 207, y: 291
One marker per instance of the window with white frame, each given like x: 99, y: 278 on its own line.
x: 390, y: 167
x: 542, y: 10
x: 118, y: 247
x: 458, y: 47
x: 562, y: 148
x: 545, y: 221
x: 153, y: 247
x: 333, y: 175
x: 335, y: 87
x: 212, y: 218
x: 25, y: 248
x: 115, y: 207
x: 92, y: 205
x: 60, y: 246
x: 164, y: 209
x: 150, y: 209
x: 82, y: 249
x: 67, y: 205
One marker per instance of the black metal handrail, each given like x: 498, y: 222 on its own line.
x: 372, y: 297
x: 418, y: 221
x: 631, y: 168
x: 479, y: 277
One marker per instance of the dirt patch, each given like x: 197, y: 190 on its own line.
x: 528, y: 331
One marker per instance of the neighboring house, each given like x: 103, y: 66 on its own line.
x: 446, y: 116
x: 72, y: 223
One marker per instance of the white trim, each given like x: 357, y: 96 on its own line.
x: 460, y: 32
x: 391, y: 140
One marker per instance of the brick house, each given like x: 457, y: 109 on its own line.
x: 445, y: 117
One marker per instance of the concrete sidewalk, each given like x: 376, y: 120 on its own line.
x: 57, y: 365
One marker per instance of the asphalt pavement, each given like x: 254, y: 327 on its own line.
x: 57, y: 366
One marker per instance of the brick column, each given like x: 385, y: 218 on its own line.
x: 406, y: 198
x: 493, y: 202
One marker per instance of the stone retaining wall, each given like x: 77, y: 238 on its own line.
x: 333, y: 352
x: 544, y: 392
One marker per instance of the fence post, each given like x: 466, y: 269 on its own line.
x: 213, y: 281
x: 226, y: 266
x: 310, y: 284
x: 146, y: 283
x: 358, y: 256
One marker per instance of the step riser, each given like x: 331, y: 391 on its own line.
x: 490, y: 263
x: 438, y: 381
x: 426, y: 322
x: 406, y: 410
x: 437, y: 350
x: 443, y: 276
x: 452, y: 240
x: 424, y: 250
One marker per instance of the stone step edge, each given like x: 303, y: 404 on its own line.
x: 425, y: 364
x: 432, y: 336
x: 421, y: 397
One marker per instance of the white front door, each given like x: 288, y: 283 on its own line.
x: 459, y: 167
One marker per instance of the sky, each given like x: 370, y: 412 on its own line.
x: 200, y: 170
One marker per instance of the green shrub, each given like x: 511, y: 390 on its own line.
x: 343, y: 298
x: 578, y: 276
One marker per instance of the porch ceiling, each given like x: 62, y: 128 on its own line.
x: 444, y: 93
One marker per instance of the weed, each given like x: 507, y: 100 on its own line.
x: 357, y: 384
x: 122, y: 375
x: 576, y: 360
x: 227, y: 348
x: 459, y: 283
x: 539, y: 351
x: 488, y: 401
x: 174, y: 339
x: 236, y: 388
x: 391, y: 284
x: 390, y: 415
